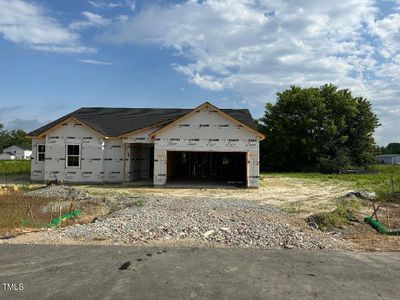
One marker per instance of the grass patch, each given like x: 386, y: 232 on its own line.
x: 294, y: 208
x: 379, y: 179
x: 345, y: 210
x: 391, y: 193
x: 139, y: 203
x: 15, y: 167
x: 116, y: 190
x: 117, y: 207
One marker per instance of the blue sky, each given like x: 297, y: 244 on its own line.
x: 56, y: 56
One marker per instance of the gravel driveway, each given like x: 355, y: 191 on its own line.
x: 198, y: 220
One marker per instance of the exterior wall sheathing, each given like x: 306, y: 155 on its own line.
x: 91, y: 151
x: 37, y: 167
x: 114, y: 161
x: 141, y: 136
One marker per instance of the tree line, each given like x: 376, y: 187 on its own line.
x: 392, y: 148
x: 13, y: 137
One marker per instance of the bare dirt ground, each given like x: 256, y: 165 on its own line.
x: 289, y: 194
x: 364, y: 238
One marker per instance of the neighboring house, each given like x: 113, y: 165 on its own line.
x: 7, y: 156
x: 20, y: 152
x: 388, y: 158
x: 98, y: 145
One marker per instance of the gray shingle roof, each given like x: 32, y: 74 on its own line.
x: 114, y: 122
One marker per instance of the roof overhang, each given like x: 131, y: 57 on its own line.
x: 75, y: 119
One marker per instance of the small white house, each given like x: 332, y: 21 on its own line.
x: 7, y: 156
x: 388, y: 159
x: 98, y: 145
x: 19, y: 152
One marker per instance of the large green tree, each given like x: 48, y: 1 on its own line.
x: 320, y: 129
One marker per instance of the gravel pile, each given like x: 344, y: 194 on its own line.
x: 235, y: 223
x: 59, y: 191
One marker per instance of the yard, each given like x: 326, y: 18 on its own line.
x: 273, y: 216
x: 16, y: 167
x: 377, y: 179
x: 15, y: 172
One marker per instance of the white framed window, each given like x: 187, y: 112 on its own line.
x: 41, y: 151
x: 73, y: 156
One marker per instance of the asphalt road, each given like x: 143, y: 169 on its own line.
x: 93, y: 272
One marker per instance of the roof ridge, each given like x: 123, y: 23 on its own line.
x: 155, y: 108
x: 152, y: 108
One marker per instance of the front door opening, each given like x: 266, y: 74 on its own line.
x: 141, y: 165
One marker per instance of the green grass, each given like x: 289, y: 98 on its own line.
x: 374, y: 182
x: 15, y: 167
x: 338, y: 217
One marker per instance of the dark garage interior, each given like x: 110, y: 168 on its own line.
x: 213, y: 167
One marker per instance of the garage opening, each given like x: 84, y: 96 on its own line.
x: 207, y: 167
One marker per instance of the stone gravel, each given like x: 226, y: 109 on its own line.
x: 60, y: 192
x: 211, y: 221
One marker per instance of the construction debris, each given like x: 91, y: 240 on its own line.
x: 380, y: 228
x: 360, y: 195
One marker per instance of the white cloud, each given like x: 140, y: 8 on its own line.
x: 64, y: 49
x: 387, y: 30
x: 29, y: 118
x: 122, y: 18
x: 96, y: 62
x: 26, y: 23
x: 25, y: 124
x: 204, y: 81
x: 7, y: 110
x: 101, y: 4
x: 92, y: 20
x: 257, y: 47
x: 131, y: 4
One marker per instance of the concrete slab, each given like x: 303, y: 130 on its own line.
x: 201, y: 183
x: 139, y: 183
